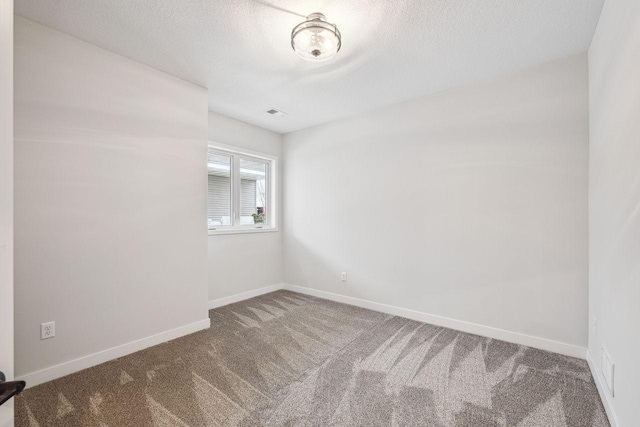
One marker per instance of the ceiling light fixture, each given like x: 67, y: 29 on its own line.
x: 315, y: 39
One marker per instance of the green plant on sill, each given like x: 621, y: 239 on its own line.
x: 258, y: 218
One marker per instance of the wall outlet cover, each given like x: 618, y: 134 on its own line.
x: 47, y: 330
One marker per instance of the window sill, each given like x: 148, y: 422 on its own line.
x: 242, y: 231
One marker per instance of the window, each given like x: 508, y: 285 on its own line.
x: 241, y: 191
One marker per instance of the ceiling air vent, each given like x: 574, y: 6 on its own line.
x: 276, y: 113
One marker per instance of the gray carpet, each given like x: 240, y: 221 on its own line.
x: 286, y: 359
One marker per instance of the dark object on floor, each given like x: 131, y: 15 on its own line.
x: 9, y: 389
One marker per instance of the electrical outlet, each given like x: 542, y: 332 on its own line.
x: 47, y: 330
x: 608, y: 370
x: 343, y: 276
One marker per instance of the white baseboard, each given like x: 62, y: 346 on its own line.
x: 66, y: 368
x: 244, y: 295
x: 460, y: 325
x: 602, y: 390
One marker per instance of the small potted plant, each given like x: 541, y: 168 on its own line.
x: 259, y: 219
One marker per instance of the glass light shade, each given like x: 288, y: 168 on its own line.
x: 315, y: 39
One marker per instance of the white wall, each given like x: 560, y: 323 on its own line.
x: 110, y: 199
x: 469, y: 204
x: 614, y: 200
x: 6, y: 200
x: 245, y: 262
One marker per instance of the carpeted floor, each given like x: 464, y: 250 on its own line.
x: 286, y: 359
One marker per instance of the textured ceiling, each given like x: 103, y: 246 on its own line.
x: 392, y: 50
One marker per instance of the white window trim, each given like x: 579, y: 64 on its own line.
x: 272, y: 210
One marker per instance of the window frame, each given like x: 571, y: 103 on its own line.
x: 236, y: 154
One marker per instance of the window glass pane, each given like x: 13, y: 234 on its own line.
x: 219, y: 189
x: 254, y: 192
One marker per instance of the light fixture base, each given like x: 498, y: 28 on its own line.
x: 317, y: 16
